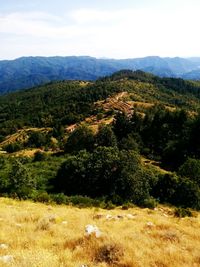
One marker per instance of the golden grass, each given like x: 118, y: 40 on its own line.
x: 42, y: 235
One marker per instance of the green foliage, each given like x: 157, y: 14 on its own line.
x: 37, y: 139
x: 182, y: 212
x: 81, y: 138
x: 191, y: 170
x: 150, y: 203
x: 129, y: 143
x: 39, y: 156
x: 13, y: 147
x: 106, y: 165
x: 5, y: 167
x: 106, y: 136
x: 21, y: 182
x: 178, y: 191
x: 105, y: 172
x: 41, y: 196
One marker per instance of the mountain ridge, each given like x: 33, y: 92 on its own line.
x: 27, y: 72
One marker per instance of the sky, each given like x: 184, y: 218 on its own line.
x: 99, y: 28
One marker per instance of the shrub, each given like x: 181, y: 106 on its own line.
x: 41, y: 197
x: 109, y: 253
x: 191, y: 169
x: 81, y: 138
x: 59, y: 198
x: 39, y: 156
x: 21, y: 182
x: 178, y: 191
x: 182, y: 212
x: 150, y: 203
x: 13, y: 147
x: 106, y: 136
x: 118, y: 175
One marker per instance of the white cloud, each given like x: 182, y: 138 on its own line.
x: 117, y: 33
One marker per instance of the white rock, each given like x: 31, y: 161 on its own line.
x: 64, y: 222
x: 130, y: 216
x: 150, y: 224
x: 18, y: 225
x: 92, y: 229
x: 3, y: 246
x: 6, y: 258
x: 109, y: 217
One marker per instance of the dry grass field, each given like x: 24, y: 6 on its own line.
x: 40, y: 235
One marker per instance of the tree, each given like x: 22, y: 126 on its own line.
x: 105, y: 172
x: 106, y: 136
x: 133, y: 181
x: 81, y: 138
x: 122, y: 126
x: 21, y: 182
x: 129, y: 143
x: 71, y: 178
x: 191, y: 170
x: 37, y: 139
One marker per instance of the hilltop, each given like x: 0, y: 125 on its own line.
x: 68, y: 102
x: 27, y: 72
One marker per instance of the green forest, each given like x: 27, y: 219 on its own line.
x: 145, y: 155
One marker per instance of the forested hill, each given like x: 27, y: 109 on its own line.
x: 69, y: 102
x: 27, y: 72
x: 131, y: 136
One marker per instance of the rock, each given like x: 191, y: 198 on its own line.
x: 6, y: 258
x: 150, y: 224
x: 109, y: 217
x: 18, y: 225
x: 92, y: 229
x: 3, y: 246
x: 130, y: 216
x: 64, y: 222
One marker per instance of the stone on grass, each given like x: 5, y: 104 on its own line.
x: 92, y: 230
x: 6, y: 258
x: 130, y: 216
x: 3, y: 246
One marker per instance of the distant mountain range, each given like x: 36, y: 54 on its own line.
x: 28, y: 72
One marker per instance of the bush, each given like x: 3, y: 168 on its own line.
x: 43, y: 197
x: 21, y: 181
x: 13, y: 147
x: 182, y: 212
x: 39, y: 156
x: 127, y: 206
x: 59, y: 198
x: 84, y: 202
x: 118, y: 175
x: 150, y: 203
x: 191, y: 170
x: 177, y: 191
x: 81, y: 138
x: 109, y: 253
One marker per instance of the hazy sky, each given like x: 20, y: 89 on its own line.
x: 100, y: 28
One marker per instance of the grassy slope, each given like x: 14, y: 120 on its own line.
x: 35, y: 241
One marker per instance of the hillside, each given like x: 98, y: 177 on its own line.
x: 68, y: 102
x: 27, y: 72
x: 42, y: 235
x: 129, y: 137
